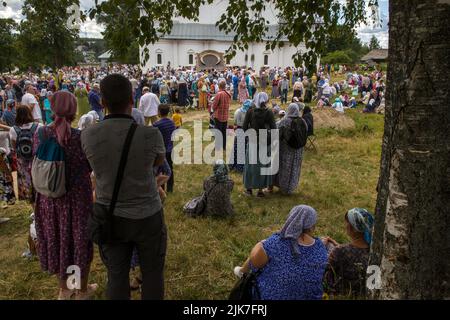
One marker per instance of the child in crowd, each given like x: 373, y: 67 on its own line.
x: 177, y: 118
x: 166, y: 126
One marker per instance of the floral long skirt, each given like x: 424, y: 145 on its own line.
x: 6, y: 181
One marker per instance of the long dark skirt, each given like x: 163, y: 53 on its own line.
x: 182, y: 95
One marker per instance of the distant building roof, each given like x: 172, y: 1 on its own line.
x: 105, y: 56
x: 376, y: 55
x: 198, y: 31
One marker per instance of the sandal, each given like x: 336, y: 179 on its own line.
x: 88, y: 294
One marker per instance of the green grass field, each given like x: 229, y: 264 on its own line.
x: 202, y: 253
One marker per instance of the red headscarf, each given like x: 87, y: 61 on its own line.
x: 63, y: 105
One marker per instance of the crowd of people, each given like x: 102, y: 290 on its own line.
x: 144, y: 110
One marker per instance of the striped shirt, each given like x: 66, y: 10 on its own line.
x: 166, y: 126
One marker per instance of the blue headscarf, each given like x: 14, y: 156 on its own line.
x: 362, y: 221
x: 300, y: 218
x: 246, y: 106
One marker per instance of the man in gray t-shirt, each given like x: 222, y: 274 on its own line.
x: 138, y: 216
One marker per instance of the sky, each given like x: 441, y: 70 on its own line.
x: 93, y: 30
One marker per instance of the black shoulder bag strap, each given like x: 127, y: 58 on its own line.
x: 120, y: 171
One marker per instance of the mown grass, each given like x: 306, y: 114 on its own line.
x: 202, y: 252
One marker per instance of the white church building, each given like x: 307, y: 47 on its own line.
x: 201, y: 44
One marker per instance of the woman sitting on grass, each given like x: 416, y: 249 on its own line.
x: 291, y: 262
x: 218, y: 188
x: 347, y: 263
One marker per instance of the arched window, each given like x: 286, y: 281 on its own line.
x: 246, y: 57
x: 252, y: 57
x: 159, y: 58
x: 191, y: 58
x: 266, y: 59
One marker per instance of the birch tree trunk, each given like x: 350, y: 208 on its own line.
x: 412, y: 224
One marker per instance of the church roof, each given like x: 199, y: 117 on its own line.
x: 376, y: 55
x: 198, y: 31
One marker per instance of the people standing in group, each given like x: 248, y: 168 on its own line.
x: 138, y: 219
x: 261, y: 120
x: 95, y: 101
x: 148, y: 105
x: 221, y: 108
x: 29, y: 99
x: 166, y: 126
x: 61, y: 223
x: 291, y: 263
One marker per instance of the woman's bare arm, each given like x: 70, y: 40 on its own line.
x: 258, y: 258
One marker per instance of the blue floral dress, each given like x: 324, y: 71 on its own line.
x: 286, y: 277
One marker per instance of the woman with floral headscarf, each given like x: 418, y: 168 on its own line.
x: 61, y: 223
x: 290, y: 263
x: 218, y: 188
x: 243, y: 91
x: 290, y: 159
x: 347, y: 263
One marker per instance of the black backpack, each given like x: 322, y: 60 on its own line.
x: 297, y: 134
x: 155, y: 86
x: 24, y: 142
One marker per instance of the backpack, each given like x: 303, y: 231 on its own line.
x: 24, y: 142
x: 155, y: 86
x: 297, y: 134
x: 48, y: 171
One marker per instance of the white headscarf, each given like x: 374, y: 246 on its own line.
x: 94, y: 114
x: 86, y: 121
x: 260, y: 97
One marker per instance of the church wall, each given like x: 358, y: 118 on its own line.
x: 177, y: 53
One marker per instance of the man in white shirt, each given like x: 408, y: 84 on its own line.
x: 149, y: 104
x: 30, y: 100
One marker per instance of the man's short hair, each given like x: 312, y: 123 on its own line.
x: 116, y: 92
x: 222, y: 84
x: 145, y: 89
x: 164, y: 109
